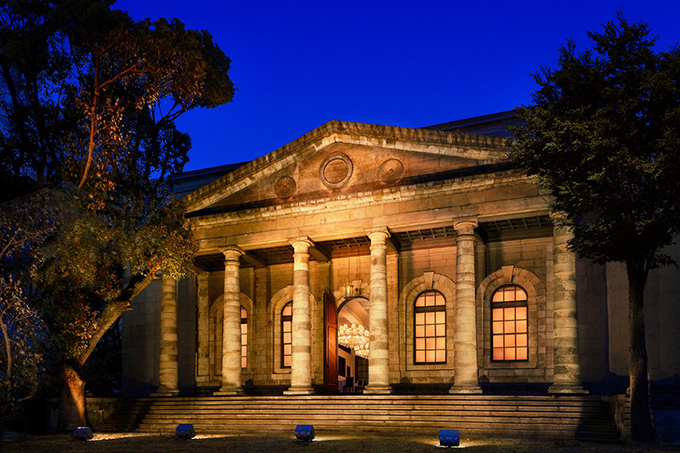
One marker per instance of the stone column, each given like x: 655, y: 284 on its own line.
x: 168, y: 382
x: 465, y: 336
x: 301, y: 360
x: 567, y: 369
x: 378, y: 355
x: 231, y: 323
x: 203, y: 323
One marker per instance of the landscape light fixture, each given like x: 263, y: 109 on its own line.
x: 304, y: 433
x: 185, y: 431
x: 449, y: 438
x: 83, y: 433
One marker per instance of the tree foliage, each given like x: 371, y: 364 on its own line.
x: 88, y: 103
x: 604, y: 139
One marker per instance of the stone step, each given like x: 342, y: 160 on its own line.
x: 547, y: 416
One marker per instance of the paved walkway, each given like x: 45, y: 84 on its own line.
x: 280, y: 443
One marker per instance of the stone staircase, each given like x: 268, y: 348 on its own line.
x: 580, y: 417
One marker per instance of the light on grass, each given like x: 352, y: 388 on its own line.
x: 304, y: 433
x: 185, y: 431
x: 449, y: 438
x: 83, y: 433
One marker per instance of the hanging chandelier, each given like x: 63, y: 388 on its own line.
x: 354, y: 337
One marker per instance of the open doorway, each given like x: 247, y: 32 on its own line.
x: 353, y: 345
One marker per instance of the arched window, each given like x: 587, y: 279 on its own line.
x: 287, y: 335
x: 509, y: 326
x: 244, y: 338
x: 430, y: 328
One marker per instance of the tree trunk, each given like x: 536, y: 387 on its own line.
x: 640, y: 412
x: 72, y: 404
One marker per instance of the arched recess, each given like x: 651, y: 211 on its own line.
x: 215, y: 342
x: 540, y: 354
x: 340, y: 297
x: 278, y: 301
x: 428, y: 281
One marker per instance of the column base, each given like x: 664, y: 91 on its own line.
x: 165, y: 391
x: 567, y: 389
x: 378, y: 390
x: 229, y: 391
x: 298, y: 391
x: 465, y: 390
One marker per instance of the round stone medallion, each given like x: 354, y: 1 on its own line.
x: 285, y: 187
x: 391, y: 171
x: 335, y: 170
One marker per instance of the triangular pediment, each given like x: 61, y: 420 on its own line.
x: 344, y: 158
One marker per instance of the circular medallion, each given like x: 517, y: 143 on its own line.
x: 285, y: 187
x: 335, y: 170
x: 391, y: 171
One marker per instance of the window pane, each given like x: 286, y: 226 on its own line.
x: 509, y: 326
x: 244, y: 328
x: 429, y: 343
x: 244, y: 362
x: 509, y: 340
x: 497, y: 314
x: 420, y: 356
x: 420, y: 301
x: 287, y: 325
x: 498, y: 296
x: 497, y: 327
x: 439, y: 299
x: 441, y: 343
x: 429, y: 331
x: 498, y: 353
x: 522, y: 354
x: 441, y: 356
x: 429, y: 356
x: 287, y: 337
x: 287, y: 349
x: 522, y: 340
x: 288, y: 310
x: 509, y: 313
x: 420, y: 318
x: 429, y: 318
x: 287, y: 360
x: 521, y: 326
x: 521, y: 295
x: 440, y: 317
x: 498, y: 341
x: 420, y: 331
x: 509, y: 353
x: 521, y: 312
x: 420, y: 343
x: 244, y: 313
x: 441, y: 330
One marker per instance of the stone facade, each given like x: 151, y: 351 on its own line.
x: 395, y: 213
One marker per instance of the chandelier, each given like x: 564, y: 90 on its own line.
x: 354, y: 337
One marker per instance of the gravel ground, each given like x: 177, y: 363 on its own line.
x: 280, y: 443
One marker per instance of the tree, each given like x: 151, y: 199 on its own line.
x: 604, y: 138
x: 89, y: 99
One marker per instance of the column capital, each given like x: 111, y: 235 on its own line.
x: 232, y: 252
x: 301, y: 244
x: 465, y: 225
x: 378, y: 234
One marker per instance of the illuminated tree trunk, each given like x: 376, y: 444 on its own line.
x: 640, y: 412
x: 72, y: 404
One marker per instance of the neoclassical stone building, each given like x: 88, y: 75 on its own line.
x: 430, y: 239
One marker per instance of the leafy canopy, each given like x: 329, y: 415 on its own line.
x: 604, y: 139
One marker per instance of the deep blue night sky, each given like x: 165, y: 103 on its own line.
x: 299, y: 64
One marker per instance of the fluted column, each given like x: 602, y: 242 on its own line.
x: 465, y: 336
x: 301, y: 359
x: 231, y: 323
x: 378, y: 355
x: 567, y: 370
x: 168, y: 382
